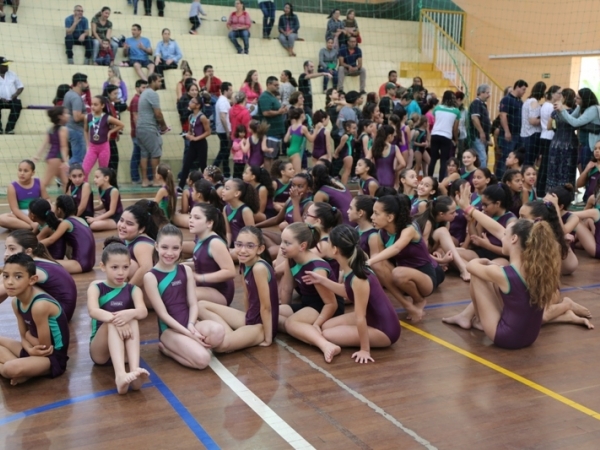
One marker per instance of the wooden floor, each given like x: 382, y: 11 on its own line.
x: 438, y: 387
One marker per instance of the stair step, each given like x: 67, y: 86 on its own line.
x: 416, y: 66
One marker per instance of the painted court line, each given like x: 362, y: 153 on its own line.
x: 259, y: 407
x: 504, y: 371
x: 180, y: 409
x: 424, y: 442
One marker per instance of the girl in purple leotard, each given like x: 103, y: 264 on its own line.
x: 325, y: 217
x: 427, y: 190
x: 328, y: 190
x: 110, y: 201
x: 171, y: 289
x: 56, y: 142
x: 366, y: 172
x: 588, y: 240
x: 360, y: 212
x: 72, y: 230
x: 187, y: 199
x: 260, y: 179
x: 323, y: 143
x: 374, y: 322
x: 317, y: 304
x: 344, y: 150
x: 241, y: 203
x: 386, y: 156
x: 510, y: 300
x: 81, y: 191
x: 258, y: 324
x: 214, y: 271
x: 115, y: 308
x: 258, y: 143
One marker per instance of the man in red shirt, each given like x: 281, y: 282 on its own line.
x: 392, y: 78
x: 134, y: 166
x: 211, y: 83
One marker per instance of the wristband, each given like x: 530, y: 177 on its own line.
x: 469, y: 210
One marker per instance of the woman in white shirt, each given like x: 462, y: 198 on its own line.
x: 553, y: 95
x: 531, y: 128
x: 444, y: 134
x: 287, y: 87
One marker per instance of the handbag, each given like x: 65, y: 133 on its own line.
x: 358, y: 38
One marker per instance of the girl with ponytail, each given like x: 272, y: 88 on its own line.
x: 166, y: 197
x: 325, y: 217
x: 327, y: 190
x: 360, y: 212
x: 260, y: 179
x: 40, y: 212
x: 374, y: 321
x: 317, y: 304
x: 72, y: 231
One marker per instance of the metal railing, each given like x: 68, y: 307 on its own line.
x: 452, y: 22
x: 447, y: 56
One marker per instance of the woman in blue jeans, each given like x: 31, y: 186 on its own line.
x: 268, y: 9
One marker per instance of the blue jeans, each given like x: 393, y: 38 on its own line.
x: 96, y: 48
x: 333, y: 73
x: 77, y: 142
x: 532, y: 148
x: 268, y: 10
x: 244, y: 35
x: 134, y: 165
x: 506, y: 147
x: 481, y: 150
x: 104, y: 61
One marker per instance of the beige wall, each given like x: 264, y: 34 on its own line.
x: 503, y: 27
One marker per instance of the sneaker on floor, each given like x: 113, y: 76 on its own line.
x: 14, y: 18
x: 70, y: 61
x: 136, y: 182
x: 3, y: 18
x: 10, y: 132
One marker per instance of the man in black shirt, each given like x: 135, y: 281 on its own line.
x: 305, y: 87
x: 480, y: 123
x: 386, y: 104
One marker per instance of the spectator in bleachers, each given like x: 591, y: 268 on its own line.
x: 239, y: 24
x: 268, y: 9
x: 287, y: 87
x: 61, y: 91
x: 195, y: 11
x: 180, y: 88
x: 78, y: 33
x: 252, y: 89
x: 392, y: 78
x: 101, y: 30
x: 10, y: 89
x: 15, y: 7
x: 105, y: 56
x: 138, y: 49
x: 134, y: 166
x: 335, y: 29
x: 167, y: 55
x: 305, y: 87
x: 350, y: 65
x: 351, y: 25
x: 150, y: 125
x: 288, y: 28
x: 210, y: 83
x: 272, y: 112
x: 328, y: 63
x: 76, y: 107
x: 160, y: 4
x: 223, y: 127
x: 238, y: 114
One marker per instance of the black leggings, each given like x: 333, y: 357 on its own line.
x: 113, y: 162
x: 197, y: 150
x: 440, y: 149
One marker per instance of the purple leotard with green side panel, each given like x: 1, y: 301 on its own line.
x: 253, y: 312
x: 257, y: 157
x: 289, y: 208
x: 414, y: 209
x: 341, y: 199
x: 365, y: 184
x: 235, y: 217
x: 476, y: 201
x: 468, y: 176
x: 502, y: 220
x: 380, y: 312
x: 282, y: 191
x: 140, y: 239
x: 59, y: 333
x: 59, y: 248
x: 98, y: 126
x: 385, y: 169
x: 458, y: 227
x: 172, y: 287
x: 204, y: 263
x: 269, y: 209
x: 105, y: 199
x: 76, y: 192
x: 363, y: 239
x: 309, y: 296
x: 335, y: 266
x: 520, y: 322
x: 59, y: 285
x: 113, y: 299
x: 26, y: 195
x: 320, y: 144
x: 81, y: 240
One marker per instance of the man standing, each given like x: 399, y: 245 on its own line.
x: 386, y: 104
x: 10, y: 89
x: 271, y: 111
x: 223, y: 127
x: 392, y: 78
x: 150, y: 125
x: 138, y: 49
x: 134, y: 167
x: 480, y: 123
x: 78, y: 33
x: 350, y: 60
x: 510, y: 121
x: 76, y: 109
x: 305, y: 87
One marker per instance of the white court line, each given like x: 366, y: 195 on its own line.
x: 424, y: 442
x: 259, y: 407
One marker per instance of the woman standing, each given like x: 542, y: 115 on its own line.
x: 562, y: 161
x: 238, y: 114
x: 531, y: 128
x: 553, y: 95
x: 444, y: 133
x: 251, y: 87
x: 287, y: 87
x: 288, y: 28
x: 167, y: 55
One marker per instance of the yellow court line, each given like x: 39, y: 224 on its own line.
x: 504, y: 371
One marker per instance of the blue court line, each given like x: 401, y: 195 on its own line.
x: 180, y: 409
x: 61, y: 403
x: 151, y: 341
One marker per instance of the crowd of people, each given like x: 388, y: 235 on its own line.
x: 306, y: 247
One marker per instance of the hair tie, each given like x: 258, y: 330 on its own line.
x: 376, y: 198
x: 548, y: 204
x: 47, y: 212
x: 333, y: 209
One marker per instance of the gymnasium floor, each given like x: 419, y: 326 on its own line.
x: 438, y: 387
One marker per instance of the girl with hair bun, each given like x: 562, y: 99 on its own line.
x: 374, y: 322
x: 317, y: 304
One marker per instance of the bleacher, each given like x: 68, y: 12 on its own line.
x: 36, y: 44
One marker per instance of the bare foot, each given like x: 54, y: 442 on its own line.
x: 417, y: 312
x: 330, y: 351
x: 477, y: 324
x: 123, y: 381
x: 142, y: 377
x: 575, y: 319
x: 578, y: 309
x: 19, y: 380
x: 466, y: 276
x: 460, y: 320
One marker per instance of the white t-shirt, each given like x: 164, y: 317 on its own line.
x: 222, y: 106
x: 444, y: 120
x: 545, y: 117
x: 530, y: 112
x: 9, y: 85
